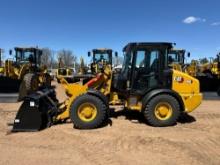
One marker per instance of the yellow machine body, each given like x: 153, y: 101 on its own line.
x: 185, y: 85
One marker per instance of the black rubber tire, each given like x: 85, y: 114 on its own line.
x: 47, y: 80
x: 218, y: 91
x: 29, y: 80
x: 149, y: 114
x: 26, y: 86
x: 101, y: 116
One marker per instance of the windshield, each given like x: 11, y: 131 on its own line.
x: 27, y: 55
x: 24, y: 56
x: 99, y: 57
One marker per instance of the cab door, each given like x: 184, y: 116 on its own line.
x: 146, y: 70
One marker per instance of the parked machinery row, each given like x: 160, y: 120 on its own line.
x: 208, y: 73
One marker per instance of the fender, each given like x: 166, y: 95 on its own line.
x: 149, y: 95
x: 99, y: 95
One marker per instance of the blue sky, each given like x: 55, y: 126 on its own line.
x: 81, y: 25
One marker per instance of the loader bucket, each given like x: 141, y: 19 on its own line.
x: 36, y: 112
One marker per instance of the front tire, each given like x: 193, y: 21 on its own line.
x: 29, y: 84
x: 88, y: 112
x: 162, y: 110
x: 47, y: 80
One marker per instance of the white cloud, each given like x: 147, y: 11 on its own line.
x: 192, y: 19
x: 215, y: 24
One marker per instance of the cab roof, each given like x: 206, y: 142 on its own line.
x: 133, y: 45
x: 27, y: 48
x: 179, y: 50
x: 102, y: 50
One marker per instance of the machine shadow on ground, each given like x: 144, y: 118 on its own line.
x: 137, y: 116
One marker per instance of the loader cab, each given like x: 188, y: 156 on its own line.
x: 28, y: 55
x: 100, y: 58
x: 176, y: 56
x: 102, y: 55
x: 145, y: 68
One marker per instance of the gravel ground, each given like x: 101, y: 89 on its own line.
x: 127, y: 140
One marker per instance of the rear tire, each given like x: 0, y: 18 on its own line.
x: 88, y: 112
x: 162, y: 110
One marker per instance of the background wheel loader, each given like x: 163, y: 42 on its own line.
x: 64, y: 72
x: 207, y: 73
x: 176, y: 59
x: 23, y: 74
x: 101, y: 58
x: 146, y: 84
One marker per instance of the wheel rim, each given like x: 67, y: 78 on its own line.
x: 87, y: 112
x: 163, y: 111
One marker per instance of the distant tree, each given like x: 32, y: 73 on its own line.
x: 1, y: 57
x: 204, y: 60
x: 82, y: 64
x: 68, y: 58
x: 47, y: 57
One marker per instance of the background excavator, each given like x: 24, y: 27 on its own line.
x: 146, y: 84
x: 23, y: 74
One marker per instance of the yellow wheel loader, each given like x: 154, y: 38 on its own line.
x: 23, y: 74
x: 101, y: 57
x: 145, y: 84
x: 176, y: 59
x: 208, y: 74
x: 64, y: 72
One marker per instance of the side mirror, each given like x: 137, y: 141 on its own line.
x: 10, y: 52
x: 188, y: 54
x: 116, y: 54
x: 89, y: 54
